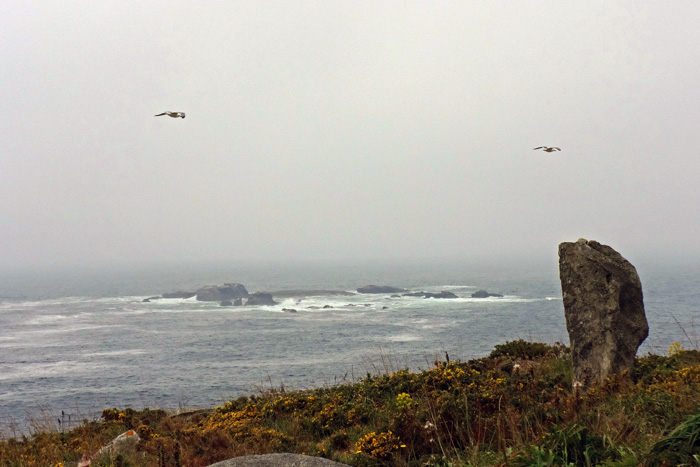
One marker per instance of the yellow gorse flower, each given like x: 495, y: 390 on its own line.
x: 674, y: 349
x: 379, y: 446
x: 403, y: 401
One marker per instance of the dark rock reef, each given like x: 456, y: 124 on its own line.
x: 179, y: 294
x: 379, y: 289
x: 301, y: 293
x: 443, y: 294
x: 219, y: 293
x: 260, y: 298
x: 485, y: 294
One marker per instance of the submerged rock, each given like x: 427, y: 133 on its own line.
x: 379, y: 289
x: 179, y: 294
x: 604, y: 310
x: 302, y: 293
x: 443, y: 294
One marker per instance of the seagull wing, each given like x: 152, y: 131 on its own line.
x: 541, y: 147
x: 159, y: 114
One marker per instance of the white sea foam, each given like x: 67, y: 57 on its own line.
x: 403, y: 337
x: 116, y: 353
x: 29, y: 370
x: 55, y: 319
x: 453, y: 288
x: 34, y: 335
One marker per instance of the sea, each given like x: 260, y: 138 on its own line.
x: 76, y: 341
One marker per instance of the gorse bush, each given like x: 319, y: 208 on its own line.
x: 383, y: 446
x: 524, y: 350
x: 515, y: 408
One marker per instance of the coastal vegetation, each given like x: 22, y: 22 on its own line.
x: 516, y: 407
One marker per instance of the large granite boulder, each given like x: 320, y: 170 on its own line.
x: 604, y: 309
x: 260, y: 298
x: 379, y: 289
x: 219, y: 293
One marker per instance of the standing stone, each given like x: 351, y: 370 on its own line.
x: 604, y: 309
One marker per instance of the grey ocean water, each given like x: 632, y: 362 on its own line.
x: 79, y: 341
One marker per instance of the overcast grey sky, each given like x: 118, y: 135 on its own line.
x: 346, y: 129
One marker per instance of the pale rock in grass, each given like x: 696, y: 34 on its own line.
x: 277, y: 460
x: 126, y: 440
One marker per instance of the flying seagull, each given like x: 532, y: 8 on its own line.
x: 173, y: 114
x: 544, y: 148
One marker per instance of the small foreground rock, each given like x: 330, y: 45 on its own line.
x: 277, y: 460
x: 126, y: 440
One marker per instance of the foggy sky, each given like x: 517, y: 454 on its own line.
x: 346, y: 129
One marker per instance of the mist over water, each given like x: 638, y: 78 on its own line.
x: 81, y: 341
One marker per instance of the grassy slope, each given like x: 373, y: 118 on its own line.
x: 515, y: 407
